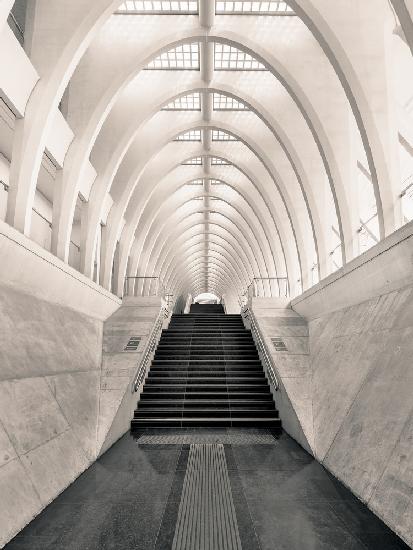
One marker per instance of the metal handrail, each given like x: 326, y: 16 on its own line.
x: 150, y: 347
x: 270, y: 367
x: 156, y: 286
x: 252, y: 288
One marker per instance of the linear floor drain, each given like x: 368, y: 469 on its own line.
x: 226, y: 439
x: 206, y: 516
x: 232, y: 438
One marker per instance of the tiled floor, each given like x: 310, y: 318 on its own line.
x: 283, y: 500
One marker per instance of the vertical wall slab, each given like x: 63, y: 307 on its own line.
x: 362, y: 377
x: 117, y: 400
x: 50, y: 367
x: 276, y: 320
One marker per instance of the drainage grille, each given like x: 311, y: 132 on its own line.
x: 235, y: 437
x: 206, y: 516
x: 133, y: 343
x: 279, y: 344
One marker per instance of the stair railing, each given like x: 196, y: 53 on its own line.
x: 267, y: 287
x: 149, y: 349
x: 269, y: 363
x: 144, y: 286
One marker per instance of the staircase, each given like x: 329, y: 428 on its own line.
x: 206, y: 372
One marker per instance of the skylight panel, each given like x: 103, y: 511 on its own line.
x: 199, y: 181
x: 194, y: 161
x: 189, y: 102
x: 191, y: 135
x: 183, y: 57
x: 158, y: 6
x: 216, y: 161
x: 220, y: 135
x: 213, y: 181
x: 270, y: 7
x: 227, y: 103
x: 228, y: 58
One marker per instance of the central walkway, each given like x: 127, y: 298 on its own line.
x: 153, y: 491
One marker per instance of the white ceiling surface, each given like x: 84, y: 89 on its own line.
x: 325, y: 101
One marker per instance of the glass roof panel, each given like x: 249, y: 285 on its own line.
x: 220, y: 135
x: 270, y: 7
x: 183, y: 57
x: 197, y: 161
x: 190, y: 102
x: 216, y: 161
x: 158, y: 6
x: 227, y: 103
x: 191, y: 135
x: 228, y: 58
x: 196, y: 182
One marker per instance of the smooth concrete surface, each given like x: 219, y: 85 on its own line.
x: 352, y: 395
x: 362, y: 381
x: 117, y: 400
x: 362, y: 377
x: 27, y: 267
x: 50, y: 359
x: 293, y: 398
x: 385, y: 267
x: 129, y: 499
x: 61, y: 402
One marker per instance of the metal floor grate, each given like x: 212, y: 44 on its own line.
x: 233, y: 437
x: 206, y: 516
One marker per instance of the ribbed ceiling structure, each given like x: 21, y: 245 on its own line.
x: 207, y: 143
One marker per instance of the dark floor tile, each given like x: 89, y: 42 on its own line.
x: 365, y: 525
x: 383, y: 541
x: 297, y: 525
x: 270, y: 457
x: 311, y: 482
x: 248, y: 536
x: 129, y: 526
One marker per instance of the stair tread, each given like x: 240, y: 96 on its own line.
x: 206, y: 371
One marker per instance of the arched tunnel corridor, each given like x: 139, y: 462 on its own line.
x: 206, y: 220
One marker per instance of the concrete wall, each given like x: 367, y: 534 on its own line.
x: 362, y: 387
x: 117, y: 400
x: 361, y: 348
x: 293, y: 398
x: 50, y: 374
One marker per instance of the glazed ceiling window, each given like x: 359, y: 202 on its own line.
x: 219, y: 135
x: 272, y: 7
x: 196, y: 182
x: 158, y: 6
x: 226, y: 103
x: 216, y: 182
x: 228, y: 58
x: 183, y: 57
x: 191, y: 135
x: 190, y: 102
x: 195, y: 161
x: 216, y: 161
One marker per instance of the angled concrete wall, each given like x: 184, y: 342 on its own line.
x: 50, y: 372
x: 293, y: 398
x: 362, y: 377
x: 117, y: 400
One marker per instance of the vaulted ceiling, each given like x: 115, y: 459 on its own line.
x: 210, y: 144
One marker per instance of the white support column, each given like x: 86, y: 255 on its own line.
x: 207, y: 60
x: 206, y: 142
x: 206, y: 105
x: 206, y: 13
